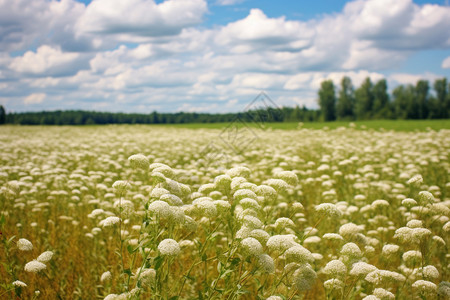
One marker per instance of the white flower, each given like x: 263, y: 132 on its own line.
x: 24, y: 245
x: 35, y: 266
x: 121, y: 186
x: 425, y: 287
x: 45, y: 257
x: 139, y: 161
x: 304, y: 277
x: 281, y: 243
x: 335, y: 268
x: 333, y: 284
x: 298, y: 254
x: 251, y: 246
x: 416, y: 180
x: 109, y: 221
x: 362, y: 268
x: 105, y: 276
x: 328, y: 209
x: 266, y: 263
x: 169, y: 247
x: 19, y: 283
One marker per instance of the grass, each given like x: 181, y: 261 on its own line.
x: 397, y: 125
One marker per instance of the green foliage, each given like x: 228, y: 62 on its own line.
x: 327, y: 100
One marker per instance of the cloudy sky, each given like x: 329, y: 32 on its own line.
x: 210, y: 56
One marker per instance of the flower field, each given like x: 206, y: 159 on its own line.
x: 147, y: 212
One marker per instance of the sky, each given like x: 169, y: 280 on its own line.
x: 210, y: 56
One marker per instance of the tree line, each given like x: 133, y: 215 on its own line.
x: 368, y: 102
x: 372, y: 101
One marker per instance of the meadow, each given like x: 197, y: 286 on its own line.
x: 339, y: 211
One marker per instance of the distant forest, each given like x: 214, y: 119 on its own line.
x: 368, y: 102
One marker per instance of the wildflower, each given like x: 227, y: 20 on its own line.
x: 329, y: 210
x: 361, y: 268
x: 371, y: 297
x: 304, y: 277
x: 430, y: 272
x: 390, y: 249
x: 109, y: 221
x: 414, y: 224
x: 121, y: 186
x: 383, y: 294
x: 412, y: 257
x: 35, y: 266
x: 24, y: 245
x: 425, y: 287
x: 416, y: 180
x: 278, y: 184
x: 335, y: 268
x: 350, y: 229
x: 298, y: 254
x: 408, y: 202
x: 266, y: 263
x: 333, y: 284
x: 268, y: 192
x: 251, y: 246
x: 261, y: 235
x: 239, y: 172
x: 169, y: 247
x: 244, y: 193
x: 426, y: 197
x: 160, y: 209
x: 332, y: 237
x: 172, y: 199
x: 289, y: 177
x: 222, y: 182
x: 45, y: 257
x: 274, y: 298
x: 351, y: 250
x: 444, y: 289
x: 106, y: 276
x: 282, y: 223
x: 139, y: 161
x: 19, y: 283
x: 381, y: 276
x: 148, y: 277
x: 281, y: 243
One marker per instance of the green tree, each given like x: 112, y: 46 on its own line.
x: 364, y: 100
x: 346, y: 100
x: 422, y: 88
x: 327, y: 100
x: 380, y: 109
x: 440, y: 87
x: 403, y: 101
x: 2, y: 115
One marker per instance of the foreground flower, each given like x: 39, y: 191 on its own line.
x: 139, y: 161
x: 19, y: 283
x: 35, y: 266
x: 169, y: 247
x: 24, y: 245
x: 45, y: 257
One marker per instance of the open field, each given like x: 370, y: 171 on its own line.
x: 204, y: 213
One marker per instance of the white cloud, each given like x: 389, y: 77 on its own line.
x: 140, y: 17
x: 45, y: 60
x: 446, y: 63
x: 229, y: 2
x: 34, y: 98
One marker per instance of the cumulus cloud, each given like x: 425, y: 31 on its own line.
x: 446, y: 63
x: 141, y: 17
x: 34, y: 98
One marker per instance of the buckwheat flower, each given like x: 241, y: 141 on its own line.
x: 106, y: 276
x: 169, y: 247
x: 45, y: 257
x: 440, y: 241
x: 249, y: 203
x: 109, y: 221
x: 425, y: 197
x: 24, y: 245
x: 222, y: 206
x: 236, y: 182
x: 425, y: 287
x: 312, y: 240
x: 298, y: 254
x: 297, y: 206
x: 207, y: 208
x: 383, y: 294
x: 148, y: 277
x: 120, y: 186
x: 288, y: 176
x: 206, y: 188
x: 158, y: 192
x: 446, y: 227
x: 379, y: 204
x: 266, y: 263
x: 252, y: 222
x: 282, y: 223
x: 304, y: 277
x: 350, y: 229
x: 111, y: 297
x: 281, y: 243
x: 390, y: 249
x: 414, y: 224
x: 139, y: 161
x: 408, y: 202
x: 160, y: 209
x: 351, y: 250
x: 223, y: 182
x: 335, y: 268
x: 362, y: 269
x: 239, y: 172
x: 251, y: 247
x: 440, y: 209
x: 444, y: 289
x: 172, y: 199
x: 19, y: 283
x: 329, y: 210
x: 261, y: 235
x: 268, y: 192
x: 35, y: 266
x: 429, y: 272
x: 332, y: 237
x: 244, y: 193
x: 378, y: 277
x: 416, y: 180
x: 278, y: 184
x: 333, y: 284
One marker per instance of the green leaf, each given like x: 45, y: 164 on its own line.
x: 204, y: 257
x: 128, y: 272
x: 173, y: 298
x: 2, y: 219
x: 158, y: 262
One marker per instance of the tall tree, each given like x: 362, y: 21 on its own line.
x: 422, y: 88
x: 327, y: 100
x: 364, y: 100
x: 380, y: 109
x: 2, y: 115
x: 440, y: 87
x: 403, y: 101
x: 346, y: 100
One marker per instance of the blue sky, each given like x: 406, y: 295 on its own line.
x: 210, y: 56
